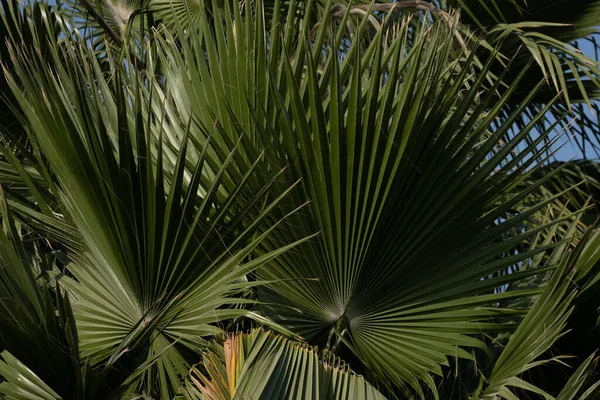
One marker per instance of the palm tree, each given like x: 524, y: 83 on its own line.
x: 276, y: 200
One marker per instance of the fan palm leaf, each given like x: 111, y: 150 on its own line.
x: 160, y: 259
x: 398, y: 271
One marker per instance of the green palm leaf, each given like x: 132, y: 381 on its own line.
x: 408, y: 219
x: 578, y: 20
x: 578, y: 379
x: 542, y: 326
x: 546, y: 29
x: 538, y: 332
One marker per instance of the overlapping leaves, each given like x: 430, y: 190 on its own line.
x: 408, y: 185
x: 416, y: 188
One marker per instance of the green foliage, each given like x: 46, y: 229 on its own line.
x: 367, y: 183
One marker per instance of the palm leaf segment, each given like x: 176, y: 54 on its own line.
x: 261, y: 365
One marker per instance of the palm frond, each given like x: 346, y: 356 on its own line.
x: 407, y: 245
x: 22, y: 383
x: 578, y: 20
x: 164, y: 245
x: 543, y: 325
x: 576, y: 384
x: 553, y: 33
